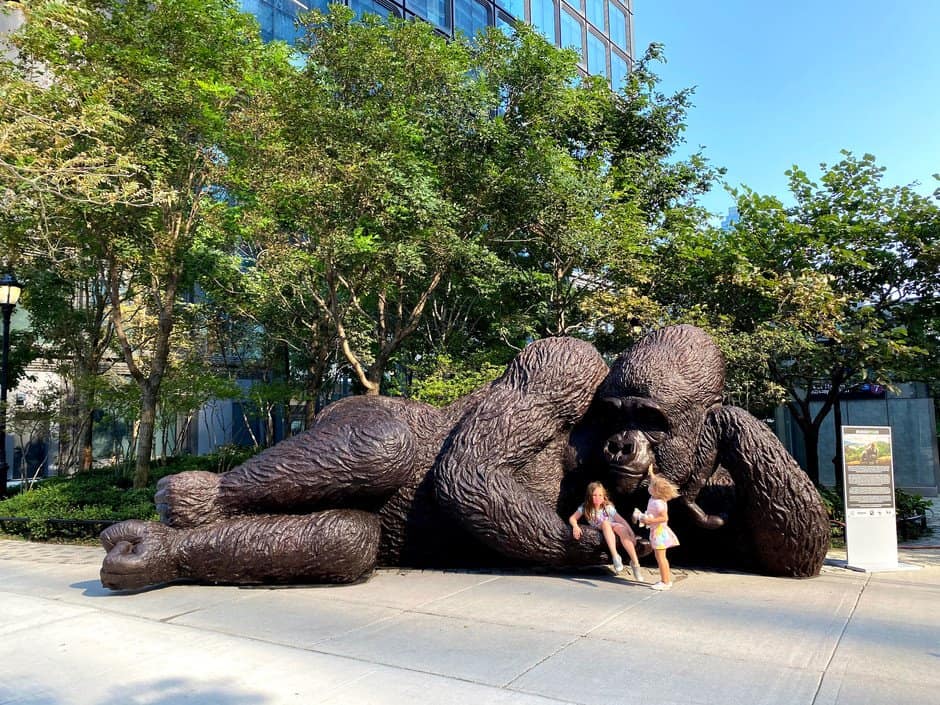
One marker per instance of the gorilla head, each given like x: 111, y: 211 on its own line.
x: 657, y: 395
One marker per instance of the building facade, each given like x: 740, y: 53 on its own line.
x: 601, y: 31
x: 906, y: 409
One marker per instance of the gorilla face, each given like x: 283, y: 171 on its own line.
x: 637, y: 425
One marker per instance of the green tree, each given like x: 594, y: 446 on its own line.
x: 830, y: 291
x: 169, y: 76
x: 363, y: 188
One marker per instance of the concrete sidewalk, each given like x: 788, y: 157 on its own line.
x: 462, y: 637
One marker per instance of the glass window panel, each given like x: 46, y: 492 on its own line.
x: 470, y: 17
x: 595, y: 13
x: 434, y: 11
x: 543, y: 18
x: 285, y: 20
x: 263, y: 12
x: 516, y: 8
x: 618, y: 71
x: 596, y: 55
x: 360, y: 7
x: 572, y: 33
x: 503, y: 24
x: 618, y: 26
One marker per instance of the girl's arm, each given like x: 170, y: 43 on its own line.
x: 573, y: 520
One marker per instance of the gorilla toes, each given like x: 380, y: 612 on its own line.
x: 140, y: 553
x: 188, y: 499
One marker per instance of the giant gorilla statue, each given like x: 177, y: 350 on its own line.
x: 483, y: 481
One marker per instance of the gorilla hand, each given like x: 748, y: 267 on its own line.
x: 188, y: 499
x: 140, y: 553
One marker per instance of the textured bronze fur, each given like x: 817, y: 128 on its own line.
x: 484, y: 481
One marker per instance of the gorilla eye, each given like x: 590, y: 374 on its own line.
x: 651, y: 420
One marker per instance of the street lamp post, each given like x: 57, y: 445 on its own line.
x: 9, y: 294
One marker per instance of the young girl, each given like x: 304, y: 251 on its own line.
x: 656, y: 518
x: 598, y: 511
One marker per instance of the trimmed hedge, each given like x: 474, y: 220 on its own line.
x: 81, y: 505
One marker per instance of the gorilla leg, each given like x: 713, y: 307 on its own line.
x: 360, y: 449
x: 334, y: 546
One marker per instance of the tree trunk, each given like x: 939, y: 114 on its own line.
x: 88, y: 435
x: 837, y: 458
x: 374, y: 375
x: 145, y: 434
x: 811, y: 449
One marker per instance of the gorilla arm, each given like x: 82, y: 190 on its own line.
x: 544, y: 392
x: 783, y: 512
x: 333, y: 546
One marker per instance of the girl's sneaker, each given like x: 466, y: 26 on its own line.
x: 618, y: 563
x: 661, y: 586
x: 637, y: 575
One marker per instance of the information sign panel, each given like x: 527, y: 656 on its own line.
x: 870, y: 525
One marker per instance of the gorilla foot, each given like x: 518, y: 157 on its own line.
x: 188, y: 499
x: 140, y: 553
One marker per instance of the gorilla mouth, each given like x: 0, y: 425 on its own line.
x: 630, y: 471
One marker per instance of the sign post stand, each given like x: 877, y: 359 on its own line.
x: 871, y: 538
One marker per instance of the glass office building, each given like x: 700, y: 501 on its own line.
x: 601, y: 31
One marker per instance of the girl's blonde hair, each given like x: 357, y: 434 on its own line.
x: 661, y: 487
x: 589, y: 511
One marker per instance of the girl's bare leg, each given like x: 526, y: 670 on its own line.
x: 664, y: 573
x: 611, y: 540
x: 628, y: 540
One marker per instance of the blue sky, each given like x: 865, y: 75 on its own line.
x: 794, y: 82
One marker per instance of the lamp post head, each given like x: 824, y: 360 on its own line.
x: 10, y: 290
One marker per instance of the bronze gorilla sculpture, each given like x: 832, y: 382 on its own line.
x: 485, y: 480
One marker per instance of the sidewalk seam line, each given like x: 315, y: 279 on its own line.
x: 835, y: 648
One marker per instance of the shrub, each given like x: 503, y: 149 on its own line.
x: 93, y: 499
x: 907, y: 506
x: 910, y: 505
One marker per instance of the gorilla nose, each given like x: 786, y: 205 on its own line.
x: 621, y: 449
x: 624, y: 449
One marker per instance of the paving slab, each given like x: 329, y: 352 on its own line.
x: 870, y: 689
x: 465, y: 649
x: 894, y: 632
x: 553, y: 603
x: 596, y: 671
x: 844, y: 638
x: 295, y: 617
x: 98, y: 658
x: 23, y: 613
x: 790, y: 623
x: 407, y: 589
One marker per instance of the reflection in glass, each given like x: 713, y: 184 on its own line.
x: 595, y: 13
x: 596, y: 55
x: 618, y: 71
x: 360, y: 7
x: 516, y: 8
x: 618, y: 26
x: 572, y: 33
x: 543, y: 18
x: 434, y: 11
x: 470, y: 17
